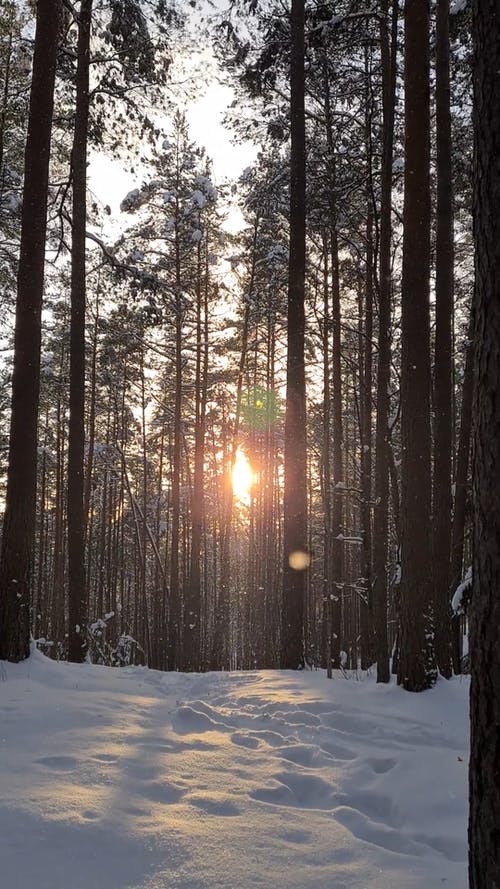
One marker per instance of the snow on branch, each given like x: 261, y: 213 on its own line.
x: 462, y: 594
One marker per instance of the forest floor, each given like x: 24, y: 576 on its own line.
x: 135, y: 779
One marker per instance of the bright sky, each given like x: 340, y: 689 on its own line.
x: 205, y: 118
x: 110, y: 181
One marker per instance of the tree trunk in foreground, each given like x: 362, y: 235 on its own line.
x: 381, y: 510
x: 77, y: 605
x: 484, y: 774
x: 416, y: 669
x: 296, y: 558
x: 441, y: 501
x: 18, y: 538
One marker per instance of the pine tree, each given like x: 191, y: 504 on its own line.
x: 76, y: 519
x: 17, y: 554
x: 441, y: 506
x: 484, y: 775
x: 416, y: 670
x: 295, y: 493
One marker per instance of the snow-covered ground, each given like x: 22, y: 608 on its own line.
x: 113, y: 779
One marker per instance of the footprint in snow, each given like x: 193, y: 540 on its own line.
x: 244, y: 740
x: 212, y: 806
x: 301, y: 791
x: 187, y: 720
x: 382, y: 766
x: 305, y: 755
x: 163, y: 792
x: 59, y: 763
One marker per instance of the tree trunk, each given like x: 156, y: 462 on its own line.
x: 296, y: 558
x: 337, y: 550
x: 16, y: 559
x: 327, y: 469
x: 416, y: 670
x: 484, y: 787
x: 192, y: 615
x: 77, y: 605
x: 441, y: 507
x: 173, y: 652
x: 461, y: 487
x: 381, y: 511
x: 366, y: 347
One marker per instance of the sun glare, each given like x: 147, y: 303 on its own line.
x: 243, y: 477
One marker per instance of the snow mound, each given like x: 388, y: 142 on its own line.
x: 134, y: 779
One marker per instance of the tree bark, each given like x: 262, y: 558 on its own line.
x: 16, y: 559
x: 295, y: 555
x: 484, y: 774
x: 416, y: 670
x: 441, y: 506
x: 337, y: 507
x: 381, y: 511
x: 77, y: 605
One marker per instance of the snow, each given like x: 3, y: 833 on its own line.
x: 199, y: 199
x: 11, y: 203
x: 135, y: 779
x: 462, y: 593
x: 131, y: 200
x: 457, y: 6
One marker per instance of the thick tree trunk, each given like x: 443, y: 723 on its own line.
x: 416, y: 670
x: 296, y: 558
x: 16, y: 559
x: 441, y: 507
x: 484, y: 789
x: 77, y: 605
x: 381, y: 511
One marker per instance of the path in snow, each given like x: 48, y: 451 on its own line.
x: 113, y: 779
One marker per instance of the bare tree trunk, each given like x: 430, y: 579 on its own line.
x: 16, y: 558
x: 173, y: 653
x: 91, y: 422
x: 441, y: 507
x: 366, y: 609
x: 381, y: 511
x: 484, y: 773
x: 296, y: 558
x: 416, y: 668
x: 327, y: 469
x: 77, y: 605
x: 337, y: 550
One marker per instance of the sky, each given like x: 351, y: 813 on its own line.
x: 110, y: 181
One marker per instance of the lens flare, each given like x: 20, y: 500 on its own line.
x: 242, y: 477
x: 299, y: 560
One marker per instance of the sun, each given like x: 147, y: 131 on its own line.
x: 242, y: 477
